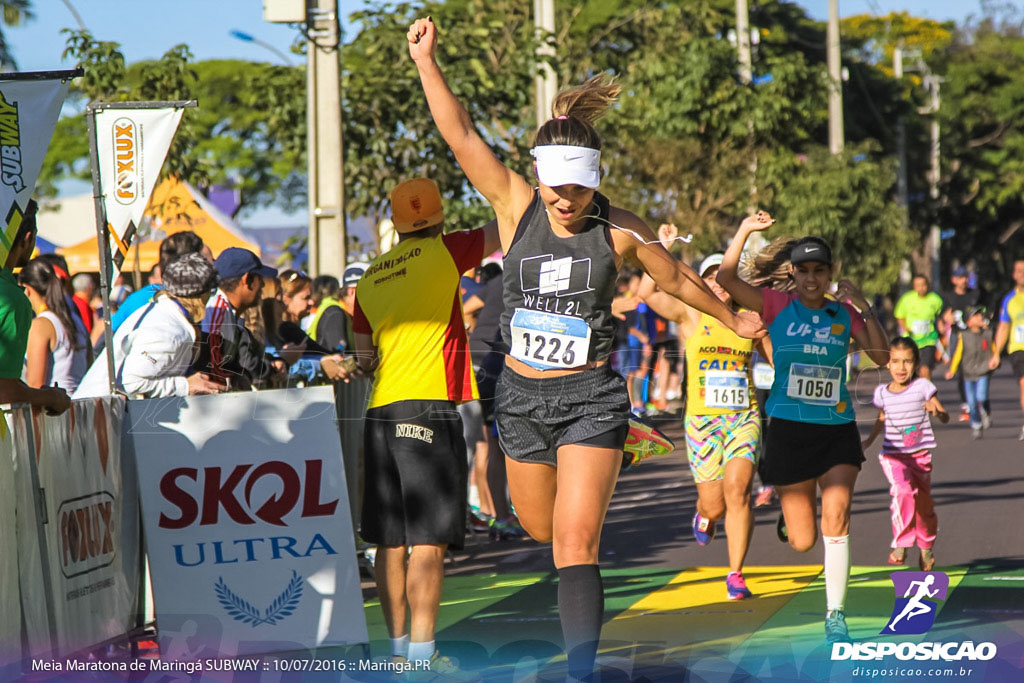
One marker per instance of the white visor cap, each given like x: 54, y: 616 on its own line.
x: 568, y: 165
x: 713, y: 261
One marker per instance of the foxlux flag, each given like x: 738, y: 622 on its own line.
x: 131, y: 146
x: 28, y: 115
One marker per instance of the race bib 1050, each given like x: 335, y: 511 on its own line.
x: 814, y: 384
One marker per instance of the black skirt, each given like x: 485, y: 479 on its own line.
x: 798, y: 451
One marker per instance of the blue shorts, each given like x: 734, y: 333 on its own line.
x: 629, y: 358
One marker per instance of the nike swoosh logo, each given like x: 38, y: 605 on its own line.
x: 569, y: 158
x: 810, y: 249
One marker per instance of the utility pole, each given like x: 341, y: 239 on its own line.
x: 901, y: 142
x: 932, y: 82
x: 746, y: 77
x: 743, y: 42
x: 835, y: 77
x: 546, y: 82
x: 327, y: 236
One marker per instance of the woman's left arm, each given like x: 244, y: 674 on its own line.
x: 675, y: 277
x: 871, y: 339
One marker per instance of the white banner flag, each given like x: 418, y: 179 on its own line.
x: 246, y: 515
x: 28, y: 115
x: 92, y: 528
x: 131, y: 146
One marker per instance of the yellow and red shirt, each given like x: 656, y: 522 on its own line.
x: 409, y: 301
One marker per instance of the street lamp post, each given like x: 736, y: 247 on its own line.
x: 76, y: 15
x: 245, y: 37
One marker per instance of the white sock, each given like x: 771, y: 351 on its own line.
x: 837, y: 570
x: 420, y: 651
x: 400, y: 646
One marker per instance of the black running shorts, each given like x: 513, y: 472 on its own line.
x: 928, y: 356
x: 416, y: 475
x: 537, y: 415
x: 1017, y: 362
x: 798, y: 451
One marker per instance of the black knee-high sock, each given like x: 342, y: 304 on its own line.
x: 581, y: 608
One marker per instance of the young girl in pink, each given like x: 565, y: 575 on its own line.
x: 906, y: 457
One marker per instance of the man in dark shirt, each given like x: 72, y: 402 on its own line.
x: 331, y: 327
x: 958, y: 300
x: 231, y: 354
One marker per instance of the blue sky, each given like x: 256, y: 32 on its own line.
x: 148, y: 28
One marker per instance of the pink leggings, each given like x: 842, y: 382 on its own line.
x: 913, y: 511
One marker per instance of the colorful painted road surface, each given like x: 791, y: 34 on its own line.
x: 667, y: 625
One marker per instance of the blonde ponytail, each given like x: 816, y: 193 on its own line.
x: 587, y: 102
x: 576, y: 109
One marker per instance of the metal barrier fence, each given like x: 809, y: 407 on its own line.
x: 71, y: 565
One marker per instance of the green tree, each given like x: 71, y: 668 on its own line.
x: 845, y: 199
x: 12, y: 13
x: 485, y: 49
x: 983, y: 146
x: 249, y: 130
x: 676, y: 147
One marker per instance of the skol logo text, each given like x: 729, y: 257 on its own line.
x: 213, y: 489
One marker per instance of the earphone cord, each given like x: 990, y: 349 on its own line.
x: 687, y: 239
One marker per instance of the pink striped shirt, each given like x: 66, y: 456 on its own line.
x: 907, y: 427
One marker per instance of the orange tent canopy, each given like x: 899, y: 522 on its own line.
x: 174, y: 206
x: 84, y: 257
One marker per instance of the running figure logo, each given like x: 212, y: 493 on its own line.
x: 914, y: 612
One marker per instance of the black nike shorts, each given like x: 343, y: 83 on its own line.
x: 416, y: 475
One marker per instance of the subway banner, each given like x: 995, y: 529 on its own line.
x: 91, y: 523
x: 29, y: 106
x: 247, y: 523
x: 131, y: 145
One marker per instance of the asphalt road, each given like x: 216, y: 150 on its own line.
x: 978, y: 488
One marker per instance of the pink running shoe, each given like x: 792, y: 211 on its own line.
x: 737, y: 587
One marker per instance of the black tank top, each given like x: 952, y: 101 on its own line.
x: 558, y: 291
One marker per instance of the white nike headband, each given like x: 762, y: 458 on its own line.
x: 568, y: 165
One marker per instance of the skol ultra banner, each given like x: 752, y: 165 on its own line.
x: 28, y: 115
x: 91, y: 523
x: 247, y: 524
x: 131, y: 146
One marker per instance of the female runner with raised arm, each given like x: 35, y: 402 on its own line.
x: 722, y: 421
x: 811, y: 440
x: 562, y: 412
